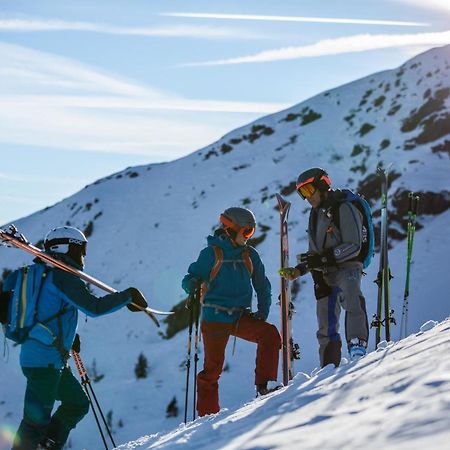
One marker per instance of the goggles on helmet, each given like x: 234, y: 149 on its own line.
x: 307, y: 188
x: 247, y: 232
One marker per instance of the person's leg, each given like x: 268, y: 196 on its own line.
x: 328, y: 311
x: 40, y: 394
x: 354, y: 304
x: 74, y: 406
x: 215, y: 338
x: 268, y: 341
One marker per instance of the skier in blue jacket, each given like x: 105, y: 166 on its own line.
x: 45, y: 366
x: 226, y: 308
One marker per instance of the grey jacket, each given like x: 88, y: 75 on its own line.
x: 345, y: 237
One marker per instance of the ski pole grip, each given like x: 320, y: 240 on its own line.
x: 416, y: 204
x: 79, y: 364
x: 410, y: 201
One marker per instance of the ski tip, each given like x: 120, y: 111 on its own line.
x: 282, y: 203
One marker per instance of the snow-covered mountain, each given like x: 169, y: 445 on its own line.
x: 147, y: 223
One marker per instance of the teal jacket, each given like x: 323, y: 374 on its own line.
x: 232, y: 286
x: 66, y: 293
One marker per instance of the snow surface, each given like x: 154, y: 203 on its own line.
x: 397, y: 397
x: 150, y: 222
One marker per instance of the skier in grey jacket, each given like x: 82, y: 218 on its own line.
x: 335, y: 240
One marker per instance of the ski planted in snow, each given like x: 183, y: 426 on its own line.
x: 413, y: 204
x: 290, y: 351
x: 384, y: 272
x: 18, y: 240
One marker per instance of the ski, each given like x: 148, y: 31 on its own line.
x: 413, y: 203
x: 290, y: 350
x: 384, y: 273
x: 18, y: 240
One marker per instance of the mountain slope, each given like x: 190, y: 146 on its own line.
x: 147, y: 223
x: 397, y: 397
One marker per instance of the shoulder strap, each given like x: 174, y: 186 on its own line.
x: 218, y: 253
x: 247, y: 260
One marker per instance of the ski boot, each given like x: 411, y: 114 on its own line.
x: 262, y: 389
x: 357, y: 348
x: 49, y: 444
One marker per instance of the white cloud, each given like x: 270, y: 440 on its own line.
x: 328, y: 20
x: 50, y: 101
x: 175, y: 31
x: 431, y: 5
x: 350, y: 44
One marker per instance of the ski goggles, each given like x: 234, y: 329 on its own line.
x: 247, y: 232
x: 306, y: 190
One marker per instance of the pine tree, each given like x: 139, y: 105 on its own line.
x: 141, y: 368
x: 172, y: 408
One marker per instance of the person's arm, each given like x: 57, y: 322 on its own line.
x: 75, y: 292
x: 199, y: 270
x: 261, y: 285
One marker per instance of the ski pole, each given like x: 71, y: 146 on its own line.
x: 413, y: 203
x: 86, y: 382
x: 196, y: 339
x: 190, y: 305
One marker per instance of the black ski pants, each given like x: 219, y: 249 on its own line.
x: 44, y: 387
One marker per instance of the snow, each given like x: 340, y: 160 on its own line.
x: 397, y: 397
x: 150, y: 222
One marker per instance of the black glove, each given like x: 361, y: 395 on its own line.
x: 137, y: 297
x: 316, y: 261
x: 194, y: 283
x: 257, y: 316
x: 76, y: 344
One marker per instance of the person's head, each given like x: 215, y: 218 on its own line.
x: 69, y: 241
x: 239, y: 224
x: 313, y: 185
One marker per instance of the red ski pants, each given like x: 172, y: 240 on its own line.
x: 215, y: 338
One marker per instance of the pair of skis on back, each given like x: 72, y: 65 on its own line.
x: 18, y: 240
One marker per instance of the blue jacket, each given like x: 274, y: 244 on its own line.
x: 232, y: 286
x: 62, y: 290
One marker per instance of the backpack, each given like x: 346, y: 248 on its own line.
x: 368, y: 236
x: 218, y: 253
x: 19, y: 306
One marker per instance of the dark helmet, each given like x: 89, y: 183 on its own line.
x: 317, y: 177
x: 236, y: 218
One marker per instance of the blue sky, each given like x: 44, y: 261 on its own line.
x: 88, y: 88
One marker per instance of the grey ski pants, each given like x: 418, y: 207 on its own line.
x: 345, y: 285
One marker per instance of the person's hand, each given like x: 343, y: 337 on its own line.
x: 290, y: 273
x: 316, y: 261
x: 138, y: 299
x: 76, y: 344
x: 257, y: 316
x: 194, y: 283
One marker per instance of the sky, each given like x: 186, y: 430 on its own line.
x: 90, y: 88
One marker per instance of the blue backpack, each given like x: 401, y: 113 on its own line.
x: 19, y: 305
x: 368, y: 236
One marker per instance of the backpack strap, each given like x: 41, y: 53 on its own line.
x: 218, y: 253
x: 247, y: 260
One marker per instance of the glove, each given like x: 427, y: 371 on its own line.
x: 291, y: 273
x: 76, y: 344
x: 136, y: 297
x: 316, y: 261
x: 257, y: 316
x: 193, y: 284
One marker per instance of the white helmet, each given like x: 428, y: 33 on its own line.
x: 58, y: 239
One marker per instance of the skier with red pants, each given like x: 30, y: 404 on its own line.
x: 226, y: 306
